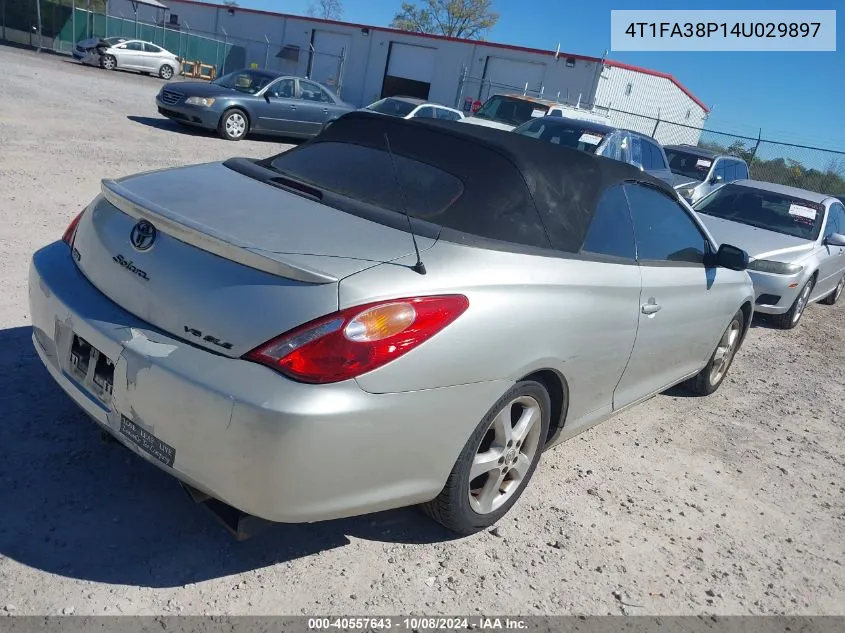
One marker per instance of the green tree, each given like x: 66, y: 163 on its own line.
x: 469, y: 19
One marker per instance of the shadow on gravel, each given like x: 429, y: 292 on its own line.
x: 163, y: 123
x: 79, y: 508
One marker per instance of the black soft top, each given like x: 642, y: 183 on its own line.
x: 516, y: 188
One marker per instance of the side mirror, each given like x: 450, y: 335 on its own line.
x: 638, y: 165
x: 731, y: 257
x: 267, y: 96
x: 835, y: 239
x: 715, y: 180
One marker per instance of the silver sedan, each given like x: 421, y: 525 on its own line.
x: 796, y: 240
x: 390, y: 314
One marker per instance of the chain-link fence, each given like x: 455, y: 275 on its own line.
x: 812, y: 168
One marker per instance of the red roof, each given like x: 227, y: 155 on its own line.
x: 524, y: 49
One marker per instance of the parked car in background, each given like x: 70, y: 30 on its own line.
x: 249, y: 100
x: 125, y: 54
x: 272, y: 332
x: 508, y: 111
x: 413, y: 108
x: 795, y: 238
x: 627, y: 146
x: 699, y: 171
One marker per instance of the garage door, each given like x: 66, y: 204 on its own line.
x: 510, y: 75
x: 410, y: 70
x: 329, y: 48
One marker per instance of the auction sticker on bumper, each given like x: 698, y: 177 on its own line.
x: 148, y: 442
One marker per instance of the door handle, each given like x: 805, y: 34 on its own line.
x: 650, y: 308
x: 325, y: 110
x: 293, y: 107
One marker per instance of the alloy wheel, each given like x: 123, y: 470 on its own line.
x: 505, y: 455
x: 725, y: 352
x: 838, y: 292
x: 109, y: 62
x: 166, y: 72
x: 801, y: 302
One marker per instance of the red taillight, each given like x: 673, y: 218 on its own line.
x: 354, y: 341
x: 70, y: 231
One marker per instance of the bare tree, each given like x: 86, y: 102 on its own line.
x: 326, y: 9
x: 470, y: 19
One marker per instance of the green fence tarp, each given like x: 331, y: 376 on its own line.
x: 57, y: 22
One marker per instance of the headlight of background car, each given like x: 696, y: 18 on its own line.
x: 200, y: 101
x: 778, y: 268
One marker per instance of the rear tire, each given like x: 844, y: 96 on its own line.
x: 709, y: 379
x: 233, y: 125
x: 789, y: 320
x: 503, y: 452
x: 833, y: 297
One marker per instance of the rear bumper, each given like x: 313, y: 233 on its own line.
x: 191, y: 115
x: 271, y: 447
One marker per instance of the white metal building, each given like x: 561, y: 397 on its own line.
x: 364, y: 63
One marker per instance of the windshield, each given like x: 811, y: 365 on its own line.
x: 247, y: 81
x: 574, y: 135
x: 392, y: 107
x: 510, y: 110
x: 688, y: 165
x: 764, y: 210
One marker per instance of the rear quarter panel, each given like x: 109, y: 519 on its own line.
x: 526, y: 313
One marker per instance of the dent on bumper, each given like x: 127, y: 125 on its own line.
x: 271, y: 447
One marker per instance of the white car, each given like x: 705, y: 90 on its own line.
x: 414, y: 108
x: 118, y: 52
x: 509, y: 111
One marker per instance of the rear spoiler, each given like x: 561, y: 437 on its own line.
x: 205, y: 239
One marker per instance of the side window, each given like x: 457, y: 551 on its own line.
x: 135, y: 46
x: 309, y: 91
x: 656, y: 156
x: 448, y: 115
x: 611, y: 232
x: 426, y: 112
x: 834, y: 216
x: 720, y: 169
x: 282, y: 89
x: 636, y: 151
x: 841, y: 216
x: 151, y: 48
x: 645, y: 150
x: 741, y: 171
x: 664, y: 231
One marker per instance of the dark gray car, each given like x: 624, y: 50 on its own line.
x: 627, y: 146
x: 249, y: 100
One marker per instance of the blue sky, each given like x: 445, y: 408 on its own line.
x: 794, y: 97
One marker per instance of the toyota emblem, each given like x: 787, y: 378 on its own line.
x: 143, y: 235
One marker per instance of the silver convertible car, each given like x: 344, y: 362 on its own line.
x: 796, y: 239
x: 396, y: 312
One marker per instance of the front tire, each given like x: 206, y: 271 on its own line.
x: 165, y: 72
x: 833, y: 297
x: 789, y: 320
x: 496, y: 463
x: 709, y: 379
x: 108, y: 62
x: 233, y: 125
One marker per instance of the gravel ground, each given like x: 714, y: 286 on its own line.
x: 730, y: 504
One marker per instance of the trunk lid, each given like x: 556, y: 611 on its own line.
x: 233, y: 261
